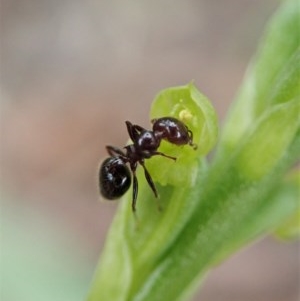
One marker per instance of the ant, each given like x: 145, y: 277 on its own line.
x: 114, y: 174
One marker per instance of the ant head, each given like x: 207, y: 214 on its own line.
x: 173, y: 131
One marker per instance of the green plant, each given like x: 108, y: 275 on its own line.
x: 212, y: 209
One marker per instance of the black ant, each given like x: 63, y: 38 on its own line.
x: 115, y: 176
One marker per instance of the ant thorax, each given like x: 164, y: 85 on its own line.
x: 147, y: 143
x: 144, y: 147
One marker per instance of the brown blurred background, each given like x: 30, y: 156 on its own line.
x: 72, y: 73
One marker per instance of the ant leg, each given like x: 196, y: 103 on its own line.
x: 139, y: 128
x: 132, y: 131
x: 135, y: 189
x: 164, y: 155
x: 149, y: 179
x: 113, y: 151
x: 191, y: 143
x: 151, y: 183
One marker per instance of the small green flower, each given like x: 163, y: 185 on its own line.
x: 187, y: 104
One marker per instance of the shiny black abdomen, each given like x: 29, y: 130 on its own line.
x: 114, y: 178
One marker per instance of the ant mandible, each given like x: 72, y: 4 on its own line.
x: 115, y: 176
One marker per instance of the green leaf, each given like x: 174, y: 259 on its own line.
x: 269, y: 139
x: 287, y: 83
x: 290, y: 228
x: 273, y: 76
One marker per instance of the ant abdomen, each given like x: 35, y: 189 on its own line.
x: 114, y: 178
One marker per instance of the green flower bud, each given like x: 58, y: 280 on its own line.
x: 269, y: 140
x: 187, y: 104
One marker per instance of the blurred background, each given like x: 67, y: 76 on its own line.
x: 71, y: 73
